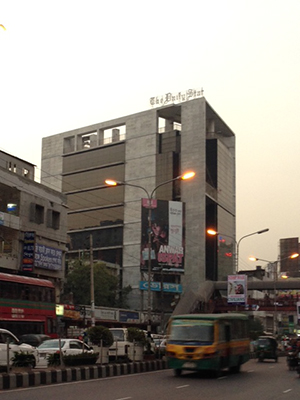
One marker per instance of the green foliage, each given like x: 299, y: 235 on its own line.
x: 256, y: 328
x: 137, y: 335
x: 53, y: 360
x: 23, y: 359
x: 106, y: 285
x: 98, y: 333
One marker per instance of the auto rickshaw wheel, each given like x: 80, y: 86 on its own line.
x: 260, y: 357
x: 177, y: 372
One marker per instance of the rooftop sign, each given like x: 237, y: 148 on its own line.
x: 173, y: 98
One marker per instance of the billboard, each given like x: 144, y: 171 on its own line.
x: 167, y: 239
x: 237, y: 289
x: 47, y: 257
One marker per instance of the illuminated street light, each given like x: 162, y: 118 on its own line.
x: 110, y: 182
x: 284, y: 275
x: 212, y: 232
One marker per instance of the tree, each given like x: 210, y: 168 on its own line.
x: 98, y: 333
x: 106, y: 285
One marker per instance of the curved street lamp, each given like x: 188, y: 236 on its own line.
x: 110, y: 182
x: 237, y: 243
x: 275, y: 279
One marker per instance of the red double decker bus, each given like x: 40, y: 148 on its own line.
x: 27, y: 305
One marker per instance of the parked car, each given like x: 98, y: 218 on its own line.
x: 15, y: 346
x: 160, y: 347
x: 68, y: 347
x: 34, y: 339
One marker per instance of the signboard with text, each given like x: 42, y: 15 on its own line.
x: 28, y: 251
x: 174, y: 98
x: 237, y: 289
x: 47, y: 257
x: 167, y: 287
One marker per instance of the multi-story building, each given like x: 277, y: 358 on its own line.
x: 288, y: 247
x: 147, y: 150
x: 33, y: 230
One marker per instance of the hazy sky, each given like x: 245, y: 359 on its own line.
x: 67, y: 64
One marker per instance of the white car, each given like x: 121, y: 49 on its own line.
x: 14, y: 346
x: 68, y: 347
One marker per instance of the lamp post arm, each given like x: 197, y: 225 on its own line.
x: 137, y: 186
x: 164, y: 183
x: 243, y: 237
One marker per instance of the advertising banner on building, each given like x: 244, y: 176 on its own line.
x: 47, y: 257
x: 167, y: 235
x: 28, y: 251
x: 237, y: 289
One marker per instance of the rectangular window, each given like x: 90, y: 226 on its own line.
x: 25, y: 172
x: 36, y: 213
x: 53, y: 219
x: 39, y: 214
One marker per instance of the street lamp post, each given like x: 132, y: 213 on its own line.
x: 109, y: 182
x: 237, y: 243
x: 275, y: 280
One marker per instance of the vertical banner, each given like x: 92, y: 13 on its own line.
x: 175, y: 224
x: 167, y: 235
x: 298, y: 311
x: 237, y: 289
x: 28, y: 251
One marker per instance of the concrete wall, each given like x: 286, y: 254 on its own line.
x: 193, y: 123
x: 140, y: 169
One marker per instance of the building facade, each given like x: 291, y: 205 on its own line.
x: 33, y: 230
x: 147, y: 150
x: 289, y: 246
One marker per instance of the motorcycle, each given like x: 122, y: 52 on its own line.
x: 292, y: 359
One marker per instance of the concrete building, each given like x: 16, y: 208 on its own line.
x: 32, y: 224
x: 148, y: 149
x: 289, y: 246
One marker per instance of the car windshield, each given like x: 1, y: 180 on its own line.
x: 51, y: 344
x: 196, y: 331
x: 264, y: 342
x: 118, y: 335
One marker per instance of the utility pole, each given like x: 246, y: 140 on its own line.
x: 92, y: 282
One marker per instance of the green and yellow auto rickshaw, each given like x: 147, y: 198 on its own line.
x: 266, y: 348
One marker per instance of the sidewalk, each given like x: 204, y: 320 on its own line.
x: 50, y: 376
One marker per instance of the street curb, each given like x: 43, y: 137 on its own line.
x: 57, y: 375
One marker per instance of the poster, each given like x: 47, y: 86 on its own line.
x: 166, y: 235
x: 237, y: 289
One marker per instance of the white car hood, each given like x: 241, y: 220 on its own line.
x: 27, y: 348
